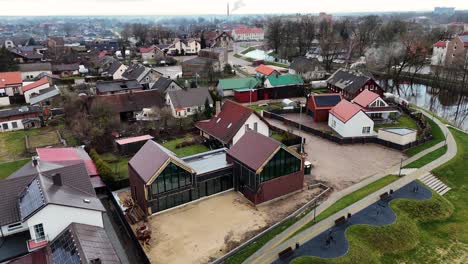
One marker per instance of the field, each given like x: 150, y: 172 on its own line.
x: 435, y: 230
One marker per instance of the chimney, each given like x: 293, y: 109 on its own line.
x: 57, y: 179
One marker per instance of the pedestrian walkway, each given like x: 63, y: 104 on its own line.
x: 435, y: 184
x: 406, y: 171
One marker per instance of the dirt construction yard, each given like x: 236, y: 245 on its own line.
x: 209, y: 228
x: 341, y: 166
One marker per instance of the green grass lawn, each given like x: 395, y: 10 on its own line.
x: 428, y: 158
x: 185, y: 151
x: 243, y: 254
x: 320, y: 91
x: 437, y: 137
x: 403, y: 121
x: 434, y: 230
x: 117, y: 163
x: 7, y: 168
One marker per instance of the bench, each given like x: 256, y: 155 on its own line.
x: 340, y: 221
x: 286, y: 253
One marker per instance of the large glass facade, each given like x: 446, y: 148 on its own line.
x: 282, y: 163
x: 172, y: 178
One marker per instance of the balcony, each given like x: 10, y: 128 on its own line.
x: 35, y: 244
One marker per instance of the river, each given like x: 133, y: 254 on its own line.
x: 449, y: 105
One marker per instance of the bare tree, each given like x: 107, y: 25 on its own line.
x: 274, y: 34
x: 365, y: 32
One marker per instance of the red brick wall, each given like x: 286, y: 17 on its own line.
x: 244, y: 97
x: 137, y: 187
x: 276, y: 188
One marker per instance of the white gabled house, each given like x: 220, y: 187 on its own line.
x: 374, y: 106
x: 349, y: 120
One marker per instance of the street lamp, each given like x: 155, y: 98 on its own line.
x: 300, y: 126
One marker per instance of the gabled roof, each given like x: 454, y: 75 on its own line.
x: 440, y: 44
x: 40, y: 66
x: 114, y: 67
x: 248, y: 30
x: 117, y: 86
x: 189, y: 97
x: 23, y: 110
x: 226, y: 123
x: 147, y: 49
x: 76, y: 187
x: 40, y: 82
x: 284, y: 80
x: 345, y: 110
x: 239, y: 84
x: 254, y: 157
x: 61, y: 155
x: 161, y: 84
x: 325, y: 101
x: 151, y: 158
x: 84, y: 243
x: 265, y: 70
x: 365, y: 98
x: 10, y: 78
x: 129, y: 102
x: 350, y: 81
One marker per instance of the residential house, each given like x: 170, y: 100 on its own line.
x: 350, y: 83
x: 439, y: 53
x: 11, y: 85
x: 35, y: 87
x: 125, y: 106
x: 115, y: 69
x: 219, y: 54
x: 23, y: 117
x: 200, y: 67
x: 55, y: 42
x: 109, y: 45
x: 118, y: 86
x: 319, y: 105
x: 374, y: 106
x: 243, y: 89
x: 257, y: 166
x: 221, y: 40
x: 141, y: 73
x: 66, y: 70
x: 188, y: 102
x: 69, y: 155
x: 265, y: 71
x: 264, y: 168
x: 27, y: 54
x: 248, y: 34
x: 30, y: 71
x: 164, y: 85
x: 40, y: 202
x: 282, y: 86
x: 151, y: 53
x: 44, y: 97
x: 229, y: 125
x: 183, y: 47
x: 457, y: 51
x: 308, y: 69
x: 349, y: 120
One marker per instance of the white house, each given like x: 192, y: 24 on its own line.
x: 349, y: 120
x: 373, y: 105
x: 29, y: 71
x: 439, y: 52
x: 184, y: 47
x: 188, y: 102
x: 42, y: 199
x: 20, y: 118
x: 229, y: 125
x: 35, y: 87
x: 248, y: 34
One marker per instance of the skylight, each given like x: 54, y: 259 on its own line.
x: 229, y: 126
x: 217, y: 121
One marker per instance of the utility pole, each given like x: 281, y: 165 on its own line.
x: 300, y: 127
x: 401, y: 164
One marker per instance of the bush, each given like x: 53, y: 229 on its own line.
x: 437, y: 208
x: 104, y: 169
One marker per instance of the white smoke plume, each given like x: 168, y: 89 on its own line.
x: 237, y: 5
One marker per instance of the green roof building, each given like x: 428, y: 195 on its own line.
x: 284, y: 80
x: 226, y: 87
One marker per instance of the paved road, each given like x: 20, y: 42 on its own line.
x: 269, y: 252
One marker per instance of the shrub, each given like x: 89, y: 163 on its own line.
x: 437, y: 208
x: 104, y: 169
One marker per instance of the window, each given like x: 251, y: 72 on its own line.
x: 247, y: 127
x: 188, y: 109
x: 39, y: 231
x: 255, y: 126
x: 366, y: 130
x: 282, y: 163
x: 333, y: 123
x: 5, y: 126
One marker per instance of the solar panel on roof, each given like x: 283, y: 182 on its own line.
x: 327, y: 100
x: 32, y: 199
x: 64, y: 249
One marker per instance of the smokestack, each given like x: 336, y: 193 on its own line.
x: 57, y: 179
x: 228, y: 9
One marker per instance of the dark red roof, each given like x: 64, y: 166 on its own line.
x: 345, y: 110
x: 254, y: 157
x: 40, y: 82
x: 440, y: 44
x: 227, y: 123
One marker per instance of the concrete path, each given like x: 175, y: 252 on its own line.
x: 269, y: 252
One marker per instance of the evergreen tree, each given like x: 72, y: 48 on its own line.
x: 202, y: 40
x: 7, y: 61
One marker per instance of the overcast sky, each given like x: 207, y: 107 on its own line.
x: 183, y: 7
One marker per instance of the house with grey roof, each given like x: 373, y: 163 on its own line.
x: 141, y: 73
x: 118, y: 86
x: 188, y: 102
x: 164, y: 85
x: 29, y: 71
x: 23, y: 117
x: 40, y: 201
x: 350, y: 83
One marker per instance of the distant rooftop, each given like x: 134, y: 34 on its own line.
x: 208, y: 161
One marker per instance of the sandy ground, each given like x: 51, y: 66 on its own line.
x: 307, y: 120
x: 340, y: 166
x: 201, y: 231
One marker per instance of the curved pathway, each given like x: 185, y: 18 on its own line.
x: 269, y: 252
x: 378, y: 213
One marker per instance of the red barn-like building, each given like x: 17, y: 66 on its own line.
x: 319, y: 105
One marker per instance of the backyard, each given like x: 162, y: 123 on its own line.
x: 7, y: 168
x: 194, y: 148
x: 403, y: 121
